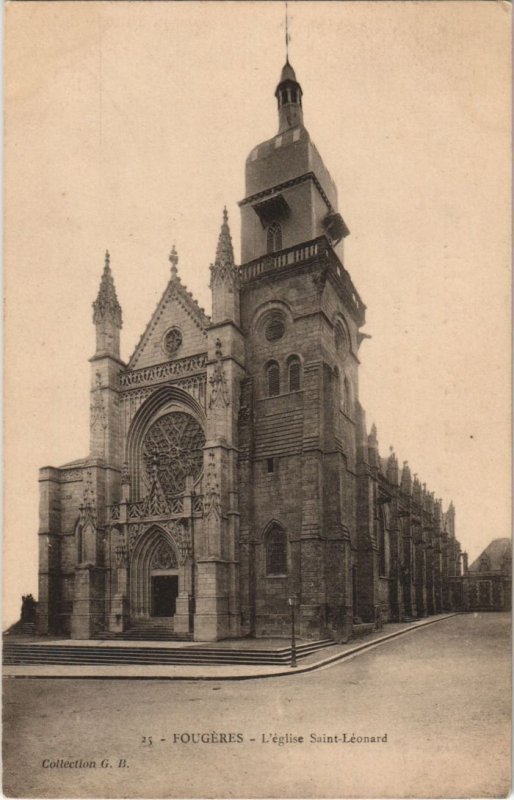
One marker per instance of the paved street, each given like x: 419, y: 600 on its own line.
x: 440, y: 694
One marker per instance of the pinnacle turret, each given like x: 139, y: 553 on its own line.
x: 106, y: 305
x: 225, y: 277
x: 392, y: 467
x: 406, y: 481
x: 416, y: 489
x: 373, y: 456
x: 107, y: 314
x: 224, y: 251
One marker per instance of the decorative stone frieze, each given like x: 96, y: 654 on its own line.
x: 161, y: 373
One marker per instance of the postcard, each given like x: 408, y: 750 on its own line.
x: 257, y: 474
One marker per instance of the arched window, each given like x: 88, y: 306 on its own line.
x: 337, y: 386
x: 347, y: 396
x: 274, y: 237
x: 273, y: 375
x: 276, y: 551
x: 342, y: 342
x: 295, y: 374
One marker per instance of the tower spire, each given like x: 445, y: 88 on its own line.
x: 287, y: 35
x: 107, y: 314
x: 224, y: 277
x: 106, y: 304
x: 224, y: 251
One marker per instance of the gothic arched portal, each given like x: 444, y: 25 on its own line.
x: 154, y: 575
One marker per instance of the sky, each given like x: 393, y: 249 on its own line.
x: 127, y: 128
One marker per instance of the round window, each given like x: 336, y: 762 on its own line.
x: 274, y: 330
x: 172, y: 341
x: 172, y: 450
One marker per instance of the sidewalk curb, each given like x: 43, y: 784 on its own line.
x: 289, y: 672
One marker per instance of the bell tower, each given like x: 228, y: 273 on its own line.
x: 290, y: 195
x: 289, y: 98
x: 300, y: 314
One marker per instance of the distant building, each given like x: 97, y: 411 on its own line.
x: 230, y: 466
x: 487, y: 583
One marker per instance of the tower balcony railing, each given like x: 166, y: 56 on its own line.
x: 272, y: 261
x: 314, y: 250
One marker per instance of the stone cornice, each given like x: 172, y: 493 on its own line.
x: 307, y: 176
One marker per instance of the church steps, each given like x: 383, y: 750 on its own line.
x: 65, y: 654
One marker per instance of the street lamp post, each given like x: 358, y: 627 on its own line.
x: 292, y: 600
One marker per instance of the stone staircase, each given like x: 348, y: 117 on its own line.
x: 26, y: 653
x: 21, y: 629
x: 159, y: 629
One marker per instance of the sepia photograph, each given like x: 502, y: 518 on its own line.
x: 257, y: 437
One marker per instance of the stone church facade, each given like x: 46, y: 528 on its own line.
x: 230, y: 465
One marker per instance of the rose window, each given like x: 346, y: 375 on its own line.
x: 172, y: 450
x: 275, y: 327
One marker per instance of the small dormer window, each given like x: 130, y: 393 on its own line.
x: 274, y: 238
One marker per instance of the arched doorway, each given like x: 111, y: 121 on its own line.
x: 154, y: 576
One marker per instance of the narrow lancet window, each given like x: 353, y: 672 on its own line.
x: 273, y: 373
x: 274, y: 238
x: 294, y: 374
x: 276, y: 551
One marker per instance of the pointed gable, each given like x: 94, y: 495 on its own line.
x: 178, y: 316
x: 497, y: 556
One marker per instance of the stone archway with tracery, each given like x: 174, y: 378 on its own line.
x: 165, y: 444
x: 172, y: 450
x: 155, y: 571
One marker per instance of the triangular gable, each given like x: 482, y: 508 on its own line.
x: 493, y: 557
x: 176, y: 308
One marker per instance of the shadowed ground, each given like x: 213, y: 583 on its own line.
x: 441, y: 694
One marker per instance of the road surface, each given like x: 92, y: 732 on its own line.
x: 425, y: 715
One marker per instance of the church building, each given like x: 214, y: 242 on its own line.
x: 230, y: 470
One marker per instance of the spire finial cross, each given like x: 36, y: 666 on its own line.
x: 287, y: 35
